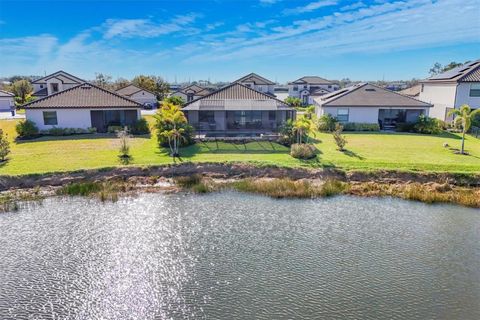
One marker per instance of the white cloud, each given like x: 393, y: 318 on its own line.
x: 312, y: 6
x: 353, y: 6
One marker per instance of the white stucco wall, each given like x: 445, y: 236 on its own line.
x: 442, y: 96
x: 6, y: 103
x: 297, y: 94
x: 360, y: 114
x: 463, y: 96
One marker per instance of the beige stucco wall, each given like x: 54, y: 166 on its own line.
x: 442, y: 96
x: 463, y: 96
x: 361, y: 114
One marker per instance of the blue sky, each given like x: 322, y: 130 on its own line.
x: 223, y: 40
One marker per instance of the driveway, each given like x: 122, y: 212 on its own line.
x: 8, y: 115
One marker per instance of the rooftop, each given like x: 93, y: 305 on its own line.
x: 311, y: 80
x: 256, y: 79
x: 468, y: 72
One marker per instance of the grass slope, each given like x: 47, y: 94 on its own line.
x: 366, y: 151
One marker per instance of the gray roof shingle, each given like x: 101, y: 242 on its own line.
x: 237, y: 97
x: 65, y: 77
x: 256, y: 79
x: 368, y: 95
x: 131, y: 89
x: 85, y: 95
x: 4, y: 93
x: 311, y: 80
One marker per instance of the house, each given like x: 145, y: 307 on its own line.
x: 7, y: 101
x: 83, y: 106
x: 367, y: 103
x: 54, y: 83
x: 191, y: 92
x: 308, y: 87
x: 452, y: 89
x: 237, y: 110
x: 413, y: 92
x: 258, y: 83
x: 139, y: 95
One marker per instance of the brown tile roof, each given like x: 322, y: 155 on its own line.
x: 131, y: 89
x: 4, y: 93
x: 85, y: 95
x: 311, y: 80
x: 368, y: 95
x: 65, y: 77
x: 465, y: 73
x: 193, y: 87
x: 412, y: 91
x: 237, y: 97
x: 256, y: 79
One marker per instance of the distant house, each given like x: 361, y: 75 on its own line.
x: 309, y: 87
x: 258, y: 83
x: 452, y: 89
x: 367, y: 103
x: 237, y: 110
x: 54, y: 83
x: 191, y: 92
x: 83, y: 106
x: 137, y: 94
x: 7, y: 101
x: 413, y: 92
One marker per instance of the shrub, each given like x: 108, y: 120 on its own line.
x: 114, y: 129
x: 405, y: 127
x: 340, y: 140
x: 64, y: 131
x: 332, y: 187
x: 188, y: 181
x: 92, y: 130
x: 326, y: 123
x: 140, y: 127
x: 26, y: 129
x: 4, y: 146
x: 357, y: 126
x: 428, y: 125
x: 124, y: 151
x: 287, y: 132
x: 303, y: 151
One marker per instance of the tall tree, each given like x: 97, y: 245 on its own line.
x: 103, y: 80
x: 154, y: 84
x: 436, y: 69
x: 172, y: 125
x: 120, y: 83
x: 464, y: 116
x: 22, y: 89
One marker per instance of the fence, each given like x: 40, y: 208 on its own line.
x: 475, y: 131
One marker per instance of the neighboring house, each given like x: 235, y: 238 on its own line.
x: 309, y: 87
x: 54, y: 83
x: 7, y: 101
x: 237, y: 110
x: 367, y: 103
x: 413, y: 92
x: 137, y: 94
x: 83, y: 106
x: 452, y: 89
x: 191, y: 92
x: 256, y: 82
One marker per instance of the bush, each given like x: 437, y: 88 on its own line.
x: 288, y: 133
x: 357, y: 126
x: 65, y: 131
x: 114, y: 129
x: 303, y: 151
x: 4, y: 146
x: 340, y: 140
x: 428, y: 125
x: 140, y: 127
x: 405, y: 127
x: 326, y: 123
x: 26, y: 129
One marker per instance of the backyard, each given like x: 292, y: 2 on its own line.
x: 365, y: 151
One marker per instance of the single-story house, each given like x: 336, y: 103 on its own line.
x: 83, y: 106
x: 191, y: 92
x: 367, y: 103
x: 53, y: 83
x: 7, y: 101
x: 137, y: 94
x: 237, y: 110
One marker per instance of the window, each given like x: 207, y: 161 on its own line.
x: 41, y: 86
x: 189, y: 97
x: 206, y: 116
x: 475, y: 90
x: 272, y: 115
x: 305, y: 87
x: 342, y: 115
x: 54, y: 87
x: 329, y: 87
x: 295, y: 88
x: 422, y: 87
x: 50, y: 118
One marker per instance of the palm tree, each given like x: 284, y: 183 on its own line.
x: 464, y: 115
x: 175, y: 118
x: 303, y: 126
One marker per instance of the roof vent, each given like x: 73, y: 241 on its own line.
x: 370, y: 89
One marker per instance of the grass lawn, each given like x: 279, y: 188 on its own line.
x: 366, y: 151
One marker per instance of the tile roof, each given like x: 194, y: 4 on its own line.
x: 311, y: 80
x: 61, y: 75
x: 41, y: 93
x: 193, y: 87
x: 237, y: 97
x: 4, y: 93
x: 256, y: 79
x: 85, y: 95
x: 467, y: 72
x: 131, y: 89
x: 368, y: 95
x: 412, y: 91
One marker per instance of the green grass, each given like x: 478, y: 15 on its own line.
x: 366, y: 151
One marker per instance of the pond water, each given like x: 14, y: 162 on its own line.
x: 236, y: 256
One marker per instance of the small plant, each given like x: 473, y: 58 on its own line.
x: 140, y: 127
x: 340, y: 140
x: 358, y: 126
x: 114, y: 129
x: 188, y: 181
x: 303, y: 151
x: 428, y: 125
x: 124, y: 151
x: 464, y: 117
x: 4, y: 146
x: 26, y: 129
x: 326, y: 123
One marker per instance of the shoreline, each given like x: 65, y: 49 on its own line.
x: 277, y: 182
